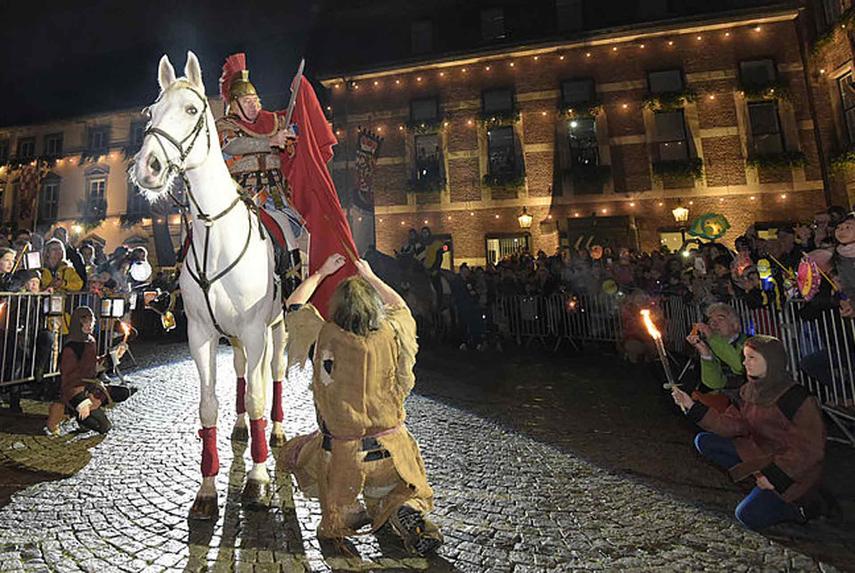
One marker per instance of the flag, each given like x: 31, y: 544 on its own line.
x: 314, y: 195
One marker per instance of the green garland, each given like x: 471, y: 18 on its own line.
x: 843, y: 162
x: 499, y: 119
x: 693, y: 168
x: 669, y: 101
x: 783, y: 159
x: 128, y: 220
x: 504, y: 181
x: 778, y: 90
x: 92, y: 213
x: 846, y: 19
x: 426, y: 185
x: 581, y: 110
x: 424, y: 127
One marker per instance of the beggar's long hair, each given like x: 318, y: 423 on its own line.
x: 356, y: 306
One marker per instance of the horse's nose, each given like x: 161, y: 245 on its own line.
x: 154, y: 165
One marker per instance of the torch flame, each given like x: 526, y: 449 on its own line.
x: 648, y: 323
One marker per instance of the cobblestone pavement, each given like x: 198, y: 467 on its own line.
x: 506, y: 499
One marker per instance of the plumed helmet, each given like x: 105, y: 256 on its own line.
x: 234, y: 81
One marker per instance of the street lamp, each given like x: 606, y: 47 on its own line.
x: 524, y: 219
x: 681, y: 216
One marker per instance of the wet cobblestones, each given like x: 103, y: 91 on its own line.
x: 504, y: 501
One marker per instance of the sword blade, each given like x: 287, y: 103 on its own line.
x: 295, y: 89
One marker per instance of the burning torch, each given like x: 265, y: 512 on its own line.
x: 660, y: 349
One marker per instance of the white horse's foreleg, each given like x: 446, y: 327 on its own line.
x: 258, y: 346
x: 240, y: 431
x: 203, y: 347
x: 277, y: 415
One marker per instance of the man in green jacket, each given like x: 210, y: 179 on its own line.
x: 720, y: 344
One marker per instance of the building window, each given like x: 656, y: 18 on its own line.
x: 671, y: 141
x: 4, y: 151
x: 99, y: 140
x: 584, y: 149
x: 421, y: 36
x: 49, y: 199
x: 424, y: 110
x: 577, y: 92
x: 568, y: 15
x: 501, y: 153
x: 53, y: 145
x: 500, y: 101
x: 492, y: 24
x: 847, y: 104
x: 137, y: 135
x: 428, y: 159
x: 95, y: 204
x: 757, y: 72
x: 766, y: 136
x: 26, y: 148
x: 500, y: 246
x: 666, y: 81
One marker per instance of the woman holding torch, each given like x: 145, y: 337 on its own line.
x: 773, y: 433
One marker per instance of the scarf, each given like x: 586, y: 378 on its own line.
x: 767, y: 390
x: 847, y: 251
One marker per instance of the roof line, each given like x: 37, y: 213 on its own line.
x: 600, y: 37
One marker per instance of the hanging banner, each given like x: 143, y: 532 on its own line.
x: 29, y: 179
x: 361, y: 210
x: 367, y: 149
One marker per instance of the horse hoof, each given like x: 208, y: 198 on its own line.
x: 204, y: 509
x: 277, y: 440
x: 255, y: 494
x: 240, y: 434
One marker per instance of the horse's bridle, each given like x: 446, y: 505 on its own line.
x: 201, y: 275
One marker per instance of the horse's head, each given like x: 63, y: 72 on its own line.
x: 180, y: 133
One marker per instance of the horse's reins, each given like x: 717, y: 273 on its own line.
x: 201, y: 275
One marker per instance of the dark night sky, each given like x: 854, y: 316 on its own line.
x: 64, y: 58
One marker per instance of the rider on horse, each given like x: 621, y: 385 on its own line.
x: 252, y: 140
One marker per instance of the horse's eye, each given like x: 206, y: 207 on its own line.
x: 192, y: 110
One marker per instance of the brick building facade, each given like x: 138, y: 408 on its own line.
x: 598, y: 135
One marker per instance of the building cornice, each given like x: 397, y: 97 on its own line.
x: 609, y: 36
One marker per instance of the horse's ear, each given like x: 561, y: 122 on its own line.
x: 193, y: 71
x: 165, y: 73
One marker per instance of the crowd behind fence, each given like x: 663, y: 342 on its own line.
x: 821, y: 348
x: 33, y: 327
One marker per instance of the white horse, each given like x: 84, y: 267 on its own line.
x: 227, y: 282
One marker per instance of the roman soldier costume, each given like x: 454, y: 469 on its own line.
x: 253, y: 159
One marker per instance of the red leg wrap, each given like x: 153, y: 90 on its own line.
x: 240, y: 398
x: 276, y: 413
x: 210, y: 458
x: 259, y: 442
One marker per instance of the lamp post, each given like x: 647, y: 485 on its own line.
x: 524, y: 219
x: 681, y: 216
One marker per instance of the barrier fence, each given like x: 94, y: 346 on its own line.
x: 820, y: 344
x: 33, y: 328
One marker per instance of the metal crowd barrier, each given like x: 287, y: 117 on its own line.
x: 33, y: 328
x: 823, y: 346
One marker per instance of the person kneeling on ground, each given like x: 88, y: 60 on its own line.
x: 362, y: 362
x: 79, y: 367
x: 772, y: 432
